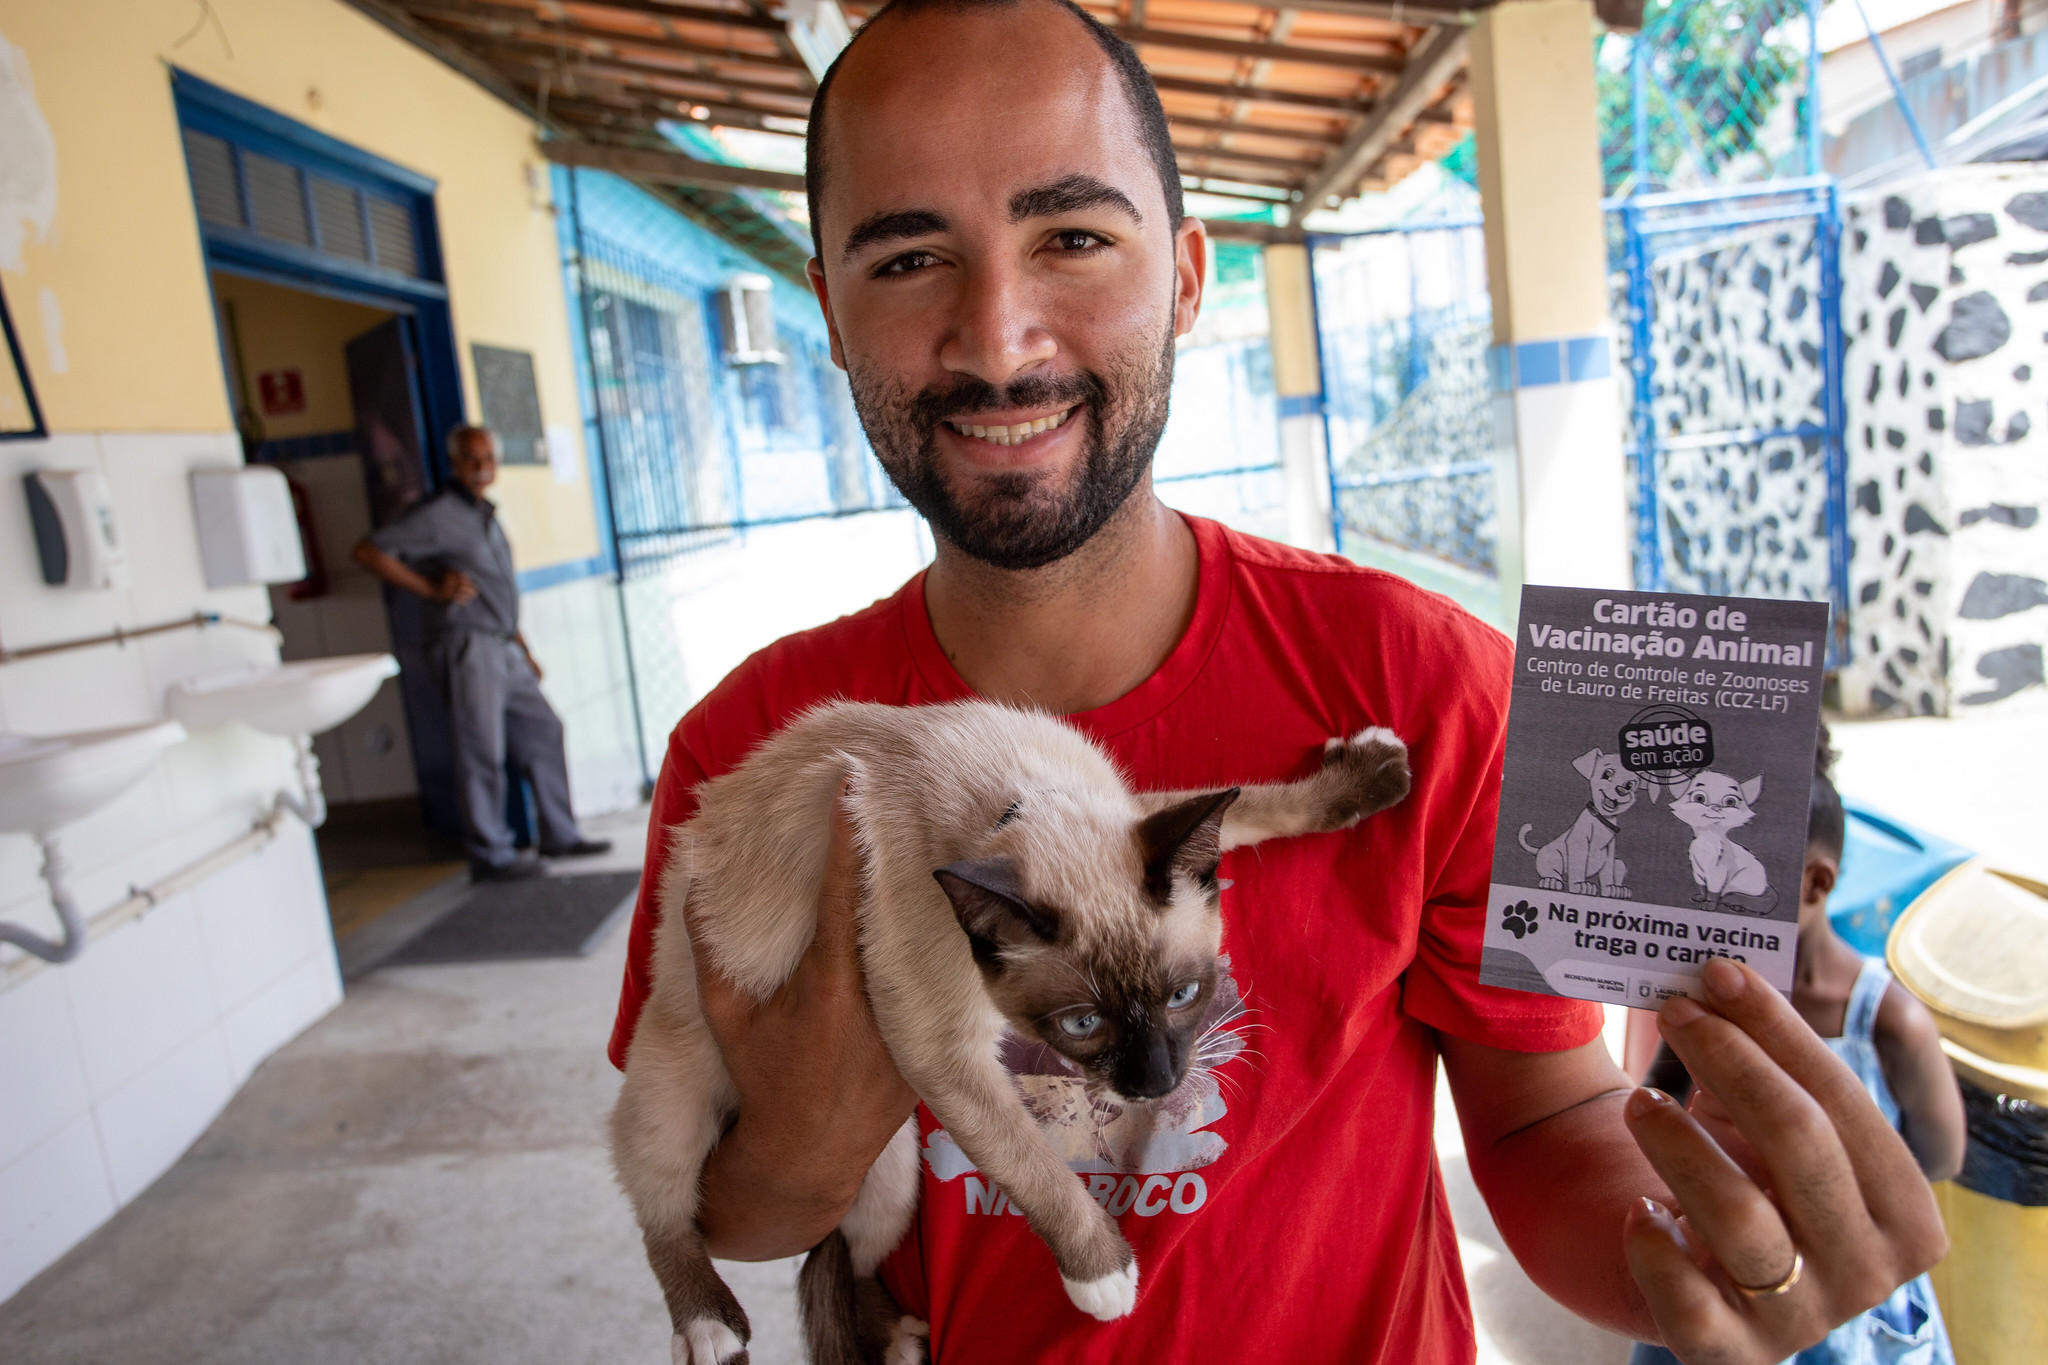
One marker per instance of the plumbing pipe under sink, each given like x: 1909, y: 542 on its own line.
x: 53, y: 781
x: 309, y: 804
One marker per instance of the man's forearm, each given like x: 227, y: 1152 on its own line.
x: 1559, y: 1192
x: 758, y: 1205
x: 392, y: 570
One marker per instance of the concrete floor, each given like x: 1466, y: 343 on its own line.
x: 421, y: 1178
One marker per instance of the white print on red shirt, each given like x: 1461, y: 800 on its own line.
x: 1130, y: 1153
x: 1148, y: 1196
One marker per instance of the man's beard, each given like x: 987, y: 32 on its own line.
x: 1023, y: 520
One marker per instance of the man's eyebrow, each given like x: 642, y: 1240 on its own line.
x: 1069, y: 194
x: 892, y: 226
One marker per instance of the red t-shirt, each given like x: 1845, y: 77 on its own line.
x: 1291, y: 1207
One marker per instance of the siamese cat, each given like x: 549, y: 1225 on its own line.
x: 1011, y: 881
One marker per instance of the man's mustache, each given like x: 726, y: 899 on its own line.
x: 968, y: 394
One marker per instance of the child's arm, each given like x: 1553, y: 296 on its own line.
x: 1930, y: 1105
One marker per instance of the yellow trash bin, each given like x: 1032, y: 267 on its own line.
x: 1974, y: 948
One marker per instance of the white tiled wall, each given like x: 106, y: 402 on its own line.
x: 114, y: 1063
x: 577, y: 636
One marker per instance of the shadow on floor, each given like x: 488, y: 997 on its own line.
x: 377, y: 855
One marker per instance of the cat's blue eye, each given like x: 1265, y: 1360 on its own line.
x: 1185, y: 996
x: 1080, y: 1025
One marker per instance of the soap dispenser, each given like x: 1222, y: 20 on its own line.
x: 78, y: 540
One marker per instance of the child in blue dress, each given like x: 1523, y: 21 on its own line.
x: 1889, y: 1040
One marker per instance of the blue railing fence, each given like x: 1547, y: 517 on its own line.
x: 1404, y: 320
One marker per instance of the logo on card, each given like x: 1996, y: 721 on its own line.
x: 1518, y: 919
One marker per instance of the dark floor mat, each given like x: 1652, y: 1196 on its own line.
x: 544, y: 917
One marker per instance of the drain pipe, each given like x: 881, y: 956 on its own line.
x: 309, y: 804
x: 55, y: 866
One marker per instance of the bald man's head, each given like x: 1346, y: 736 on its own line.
x: 1148, y: 115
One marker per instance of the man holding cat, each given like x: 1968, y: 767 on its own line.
x: 1004, y: 264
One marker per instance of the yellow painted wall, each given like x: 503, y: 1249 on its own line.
x: 289, y: 329
x: 1536, y: 124
x: 121, y: 263
x: 1290, y: 308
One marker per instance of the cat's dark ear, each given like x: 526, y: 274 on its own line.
x: 989, y: 902
x: 1185, y: 837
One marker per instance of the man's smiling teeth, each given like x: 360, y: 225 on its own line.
x: 1012, y: 435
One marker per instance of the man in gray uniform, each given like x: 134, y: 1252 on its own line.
x: 450, y: 550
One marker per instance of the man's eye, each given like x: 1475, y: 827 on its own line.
x: 1077, y: 241
x: 907, y: 263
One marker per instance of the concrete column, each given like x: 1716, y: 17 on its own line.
x: 1298, y: 380
x: 1557, y: 420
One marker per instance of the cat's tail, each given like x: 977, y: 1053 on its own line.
x: 850, y: 1319
x: 1523, y: 840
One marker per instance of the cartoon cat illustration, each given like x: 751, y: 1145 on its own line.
x: 1712, y: 804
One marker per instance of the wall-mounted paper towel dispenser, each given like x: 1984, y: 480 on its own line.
x: 248, y: 532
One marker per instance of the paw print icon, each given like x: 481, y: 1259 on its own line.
x: 1519, y: 919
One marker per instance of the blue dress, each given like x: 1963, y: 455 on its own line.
x: 1906, y: 1328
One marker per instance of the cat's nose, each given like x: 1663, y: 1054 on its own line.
x: 1152, y: 1070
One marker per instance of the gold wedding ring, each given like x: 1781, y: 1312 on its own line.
x: 1771, y: 1291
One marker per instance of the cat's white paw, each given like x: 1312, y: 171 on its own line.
x: 706, y: 1341
x: 1106, y: 1297
x: 1377, y: 735
x: 907, y: 1342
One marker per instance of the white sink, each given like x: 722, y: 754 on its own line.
x: 302, y: 698
x: 47, y: 781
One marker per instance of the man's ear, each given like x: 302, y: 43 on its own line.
x: 814, y: 271
x: 1191, y: 266
x: 990, y: 905
x: 1187, y: 837
x: 1584, y: 763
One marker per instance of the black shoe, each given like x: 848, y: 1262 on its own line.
x: 505, y: 872
x: 582, y: 848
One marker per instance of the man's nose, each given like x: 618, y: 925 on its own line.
x: 998, y: 332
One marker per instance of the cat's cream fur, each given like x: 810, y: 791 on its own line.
x: 1011, y: 880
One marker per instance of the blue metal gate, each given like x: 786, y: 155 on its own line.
x: 1734, y: 341
x: 1404, y: 322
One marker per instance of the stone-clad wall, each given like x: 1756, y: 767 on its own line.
x: 1735, y: 340
x: 1945, y: 302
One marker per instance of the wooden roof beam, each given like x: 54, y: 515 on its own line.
x: 685, y: 13
x: 1268, y: 52
x: 1283, y: 163
x: 641, y: 115
x: 645, y: 73
x: 1255, y: 94
x: 1238, y: 230
x: 1431, y: 65
x: 1239, y: 128
x: 583, y: 39
x: 1231, y: 187
x: 666, y: 168
x: 1418, y: 12
x: 702, y: 68
x: 660, y: 89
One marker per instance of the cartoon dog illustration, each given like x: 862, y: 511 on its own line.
x: 1582, y: 858
x: 1712, y: 804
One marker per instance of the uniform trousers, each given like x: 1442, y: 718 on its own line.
x: 497, y: 712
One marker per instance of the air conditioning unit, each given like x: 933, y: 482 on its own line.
x: 747, y: 304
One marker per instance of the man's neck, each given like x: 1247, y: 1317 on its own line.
x: 1078, y: 633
